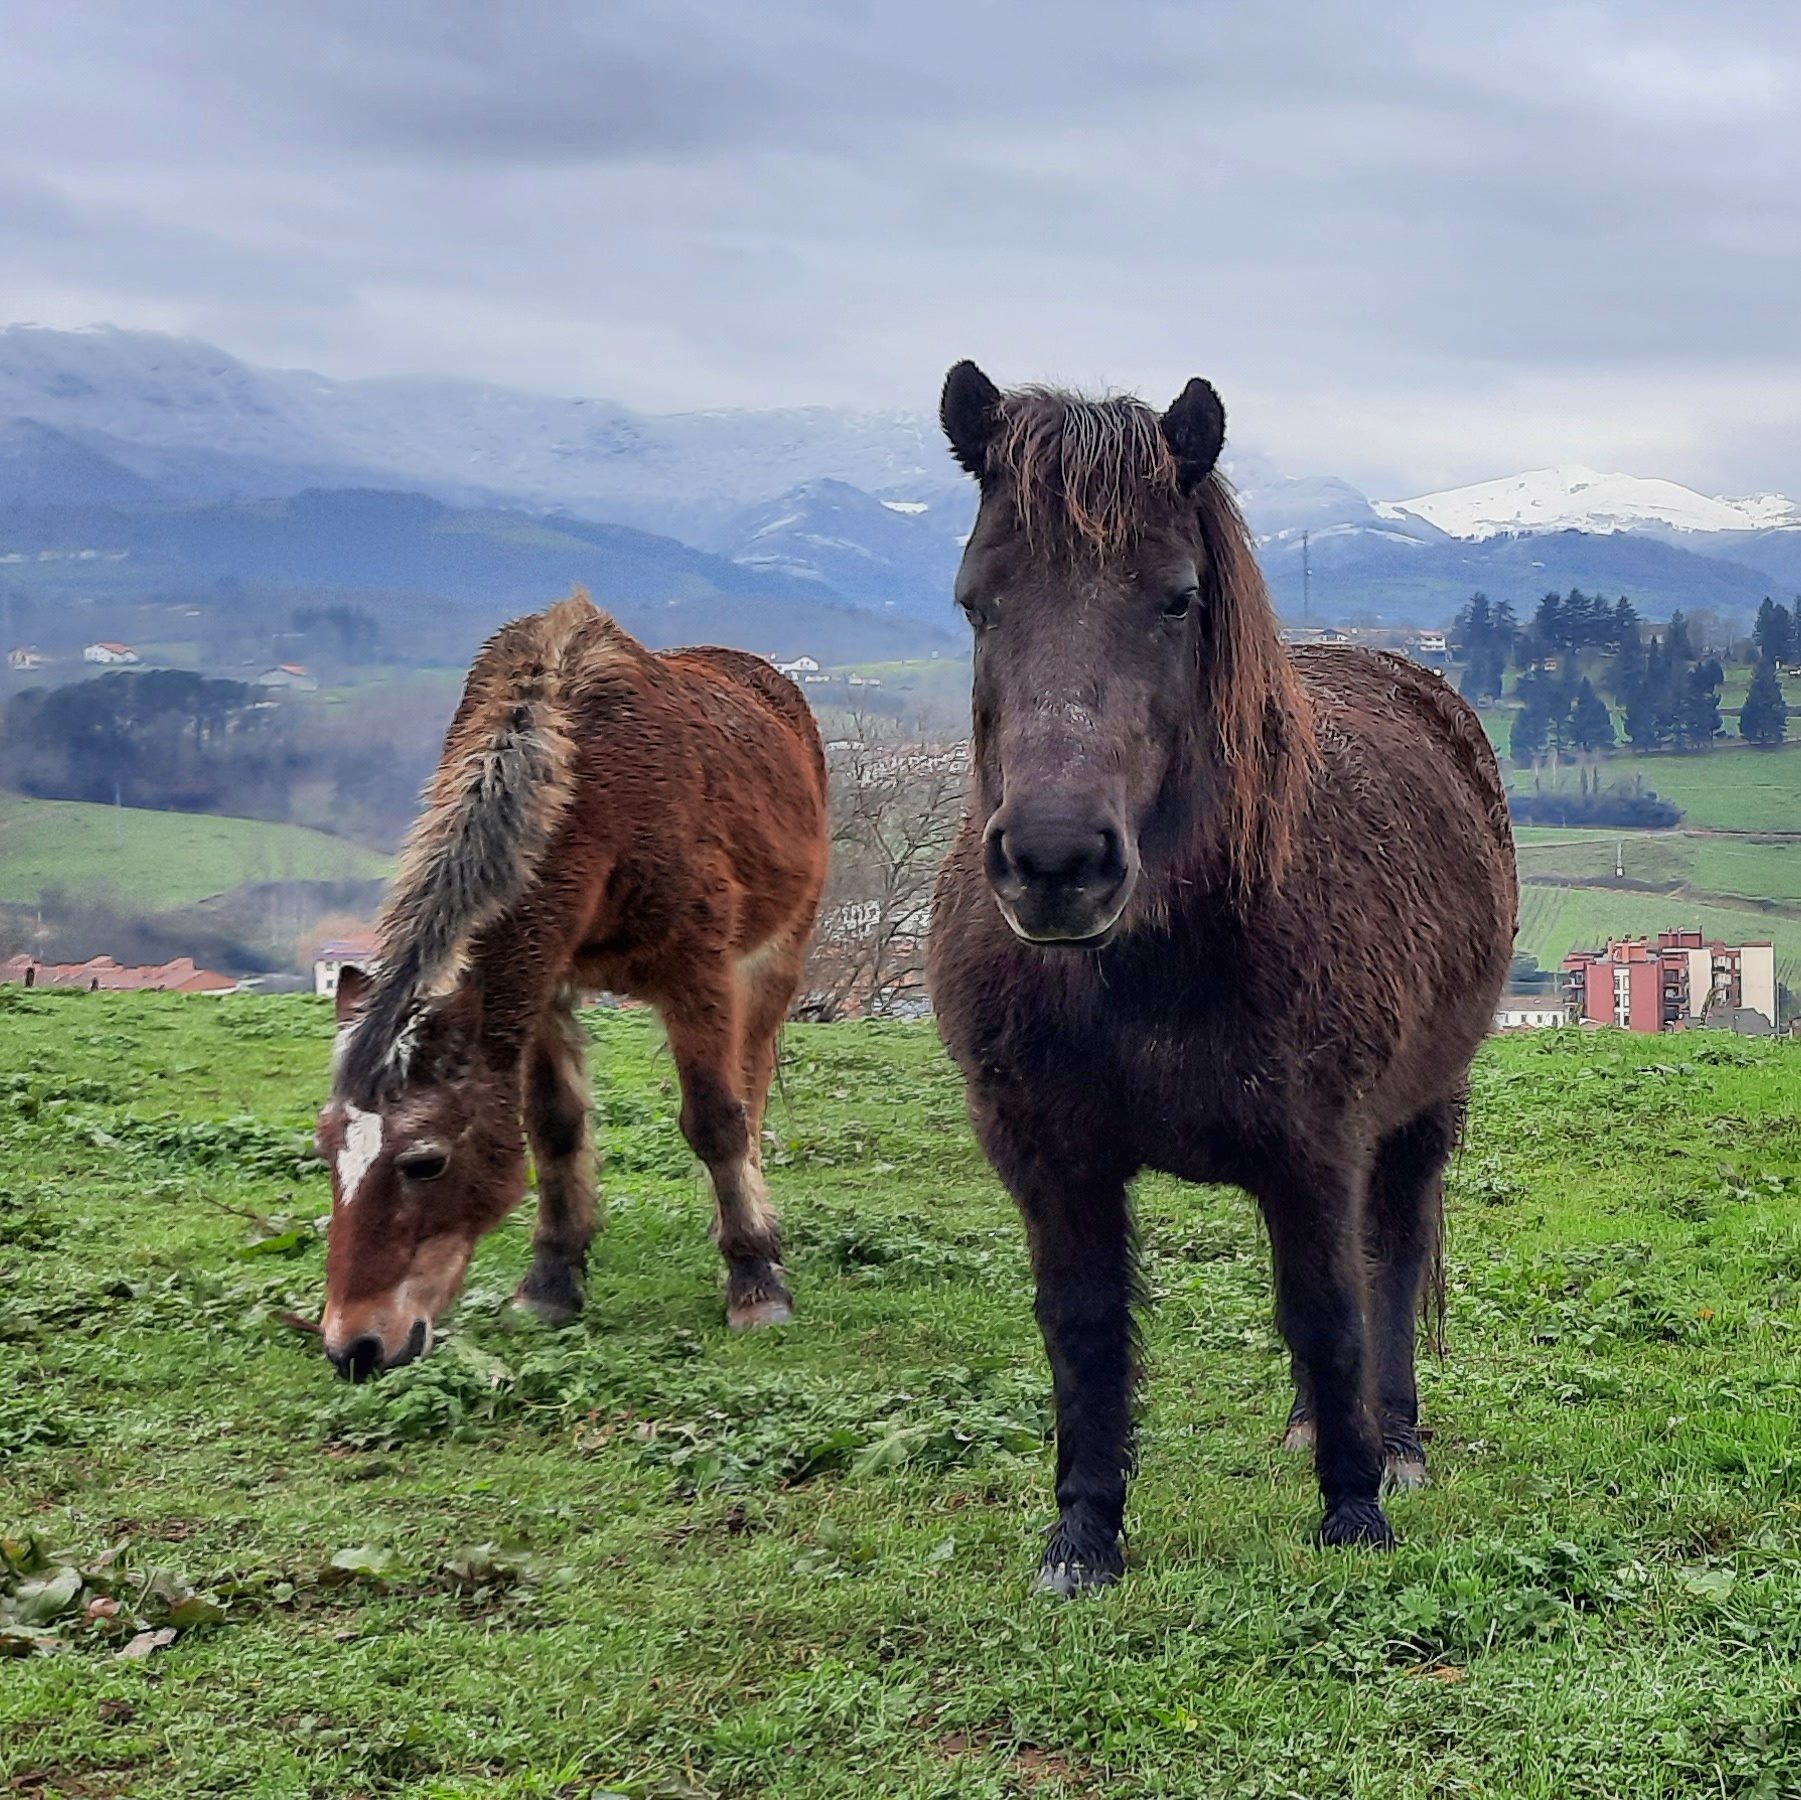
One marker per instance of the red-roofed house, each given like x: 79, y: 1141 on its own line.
x: 101, y: 974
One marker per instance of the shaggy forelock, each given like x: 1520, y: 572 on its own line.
x: 1091, y: 473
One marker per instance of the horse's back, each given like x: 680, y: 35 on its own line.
x: 708, y: 665
x: 1386, y: 707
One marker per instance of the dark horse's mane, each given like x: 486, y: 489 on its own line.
x: 1089, y: 477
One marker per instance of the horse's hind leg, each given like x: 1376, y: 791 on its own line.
x: 705, y: 1040
x: 1298, y: 1434
x: 1406, y: 1199
x: 557, y: 1122
x: 771, y: 979
x: 1314, y: 1217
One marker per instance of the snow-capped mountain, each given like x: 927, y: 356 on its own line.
x: 826, y: 505
x: 1573, y: 498
x: 173, y: 398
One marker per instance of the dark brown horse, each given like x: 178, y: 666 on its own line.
x: 1214, y: 910
x: 602, y: 818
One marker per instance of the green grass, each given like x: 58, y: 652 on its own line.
x: 643, y: 1557
x: 1766, y: 869
x: 159, y: 859
x: 1733, y: 788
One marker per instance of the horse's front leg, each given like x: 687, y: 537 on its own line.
x: 1079, y: 1223
x: 1316, y: 1231
x: 558, y: 1122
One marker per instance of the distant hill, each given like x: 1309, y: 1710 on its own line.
x: 488, y: 563
x: 823, y: 507
x: 888, y: 555
x: 1413, y: 581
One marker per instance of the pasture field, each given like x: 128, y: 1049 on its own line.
x: 642, y: 1557
x: 1732, y: 788
x: 1751, y: 868
x: 157, y: 860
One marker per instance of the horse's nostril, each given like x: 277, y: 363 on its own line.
x: 360, y: 1359
x: 1058, y: 856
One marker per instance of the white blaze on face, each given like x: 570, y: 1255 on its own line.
x: 362, y: 1145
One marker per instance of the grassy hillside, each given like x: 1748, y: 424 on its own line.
x: 1734, y: 788
x: 157, y: 859
x: 642, y: 1557
x: 1760, y: 869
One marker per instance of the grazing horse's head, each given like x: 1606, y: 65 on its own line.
x: 426, y: 1156
x: 1126, y: 678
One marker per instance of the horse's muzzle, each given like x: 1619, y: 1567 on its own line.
x: 1059, y: 878
x: 367, y: 1355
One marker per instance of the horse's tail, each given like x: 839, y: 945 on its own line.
x: 502, y: 786
x: 1435, y: 1289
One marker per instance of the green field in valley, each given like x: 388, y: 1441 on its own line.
x: 158, y: 860
x: 1733, y: 788
x: 643, y: 1557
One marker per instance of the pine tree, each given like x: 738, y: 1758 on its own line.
x: 1547, y: 631
x: 1763, y: 719
x: 1762, y: 628
x: 1774, y: 633
x: 1591, y: 724
x: 1698, y: 707
x: 1627, y: 675
x: 1472, y: 625
x: 1625, y: 624
x: 1527, y: 742
x: 1648, y: 710
x: 1675, y: 639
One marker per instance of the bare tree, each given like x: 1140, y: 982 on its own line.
x: 896, y: 796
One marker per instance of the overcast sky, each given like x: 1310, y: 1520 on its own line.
x: 1413, y: 245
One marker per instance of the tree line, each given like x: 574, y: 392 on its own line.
x: 173, y: 740
x: 1666, y: 684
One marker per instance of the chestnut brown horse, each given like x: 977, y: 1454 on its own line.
x: 1213, y: 909
x: 603, y: 818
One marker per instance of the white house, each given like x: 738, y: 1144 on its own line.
x: 1530, y: 1012
x: 114, y: 654
x: 799, y: 669
x: 25, y: 656
x: 335, y: 954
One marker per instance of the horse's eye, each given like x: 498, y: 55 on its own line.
x: 1177, y: 605
x: 422, y: 1165
x: 979, y: 615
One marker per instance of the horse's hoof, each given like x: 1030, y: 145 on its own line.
x: 555, y: 1313
x: 552, y: 1297
x: 1071, y: 1580
x: 1299, y: 1435
x: 1404, y: 1473
x: 1078, y: 1561
x: 757, y: 1315
x: 1357, y: 1522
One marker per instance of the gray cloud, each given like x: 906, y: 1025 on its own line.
x: 1413, y: 243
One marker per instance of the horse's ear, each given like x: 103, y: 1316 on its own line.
x: 352, y: 990
x: 1195, y: 427
x: 970, y: 413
